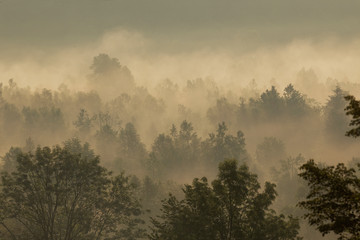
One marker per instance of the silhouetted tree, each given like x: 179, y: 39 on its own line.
x: 333, y: 201
x: 63, y: 193
x: 353, y: 109
x: 231, y: 208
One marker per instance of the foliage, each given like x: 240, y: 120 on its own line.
x: 103, y: 64
x: 333, y: 202
x: 43, y: 119
x: 290, y: 186
x: 10, y: 159
x: 335, y: 120
x: 131, y: 152
x: 83, y: 123
x: 271, y: 151
x: 177, y: 150
x: 221, y: 145
x: 63, y: 193
x: 231, y: 208
x: 296, y: 103
x: 271, y: 107
x: 109, y: 77
x: 353, y: 109
x: 223, y: 111
x: 272, y: 103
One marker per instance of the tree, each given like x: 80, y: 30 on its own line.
x: 9, y: 159
x: 106, y: 137
x: 290, y: 186
x: 103, y: 64
x: 62, y: 193
x: 271, y: 151
x: 271, y: 103
x: 335, y: 120
x: 221, y: 145
x: 333, y: 202
x: 230, y: 208
x: 131, y: 151
x: 10, y: 120
x: 44, y: 119
x: 83, y: 123
x: 353, y: 109
x: 295, y: 102
x: 223, y: 111
x: 109, y: 78
x: 178, y: 150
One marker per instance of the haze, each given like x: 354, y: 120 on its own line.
x: 165, y: 90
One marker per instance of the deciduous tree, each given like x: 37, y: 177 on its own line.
x: 333, y: 202
x: 232, y: 207
x: 64, y: 194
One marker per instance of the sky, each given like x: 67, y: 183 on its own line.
x: 178, y: 24
x: 35, y: 34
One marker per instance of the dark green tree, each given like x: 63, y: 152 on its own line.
x: 353, y: 109
x: 232, y: 207
x: 333, y: 203
x: 62, y: 193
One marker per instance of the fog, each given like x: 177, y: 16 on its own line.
x: 166, y: 90
x: 326, y: 62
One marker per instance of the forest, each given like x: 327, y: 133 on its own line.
x: 179, y: 162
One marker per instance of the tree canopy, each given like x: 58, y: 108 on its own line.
x: 353, y: 109
x: 62, y: 193
x: 333, y: 202
x: 232, y: 207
